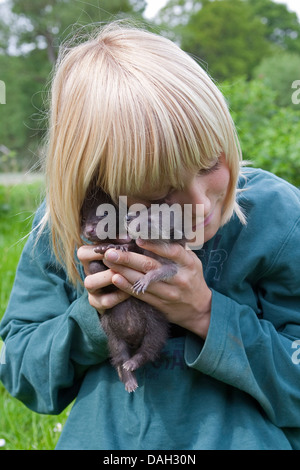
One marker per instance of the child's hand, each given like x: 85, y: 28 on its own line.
x: 185, y: 299
x: 95, y: 282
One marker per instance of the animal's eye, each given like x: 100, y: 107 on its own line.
x: 101, y: 216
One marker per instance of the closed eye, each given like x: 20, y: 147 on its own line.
x: 164, y: 199
x: 207, y: 171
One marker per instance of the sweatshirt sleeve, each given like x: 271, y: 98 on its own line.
x: 51, y: 333
x: 258, y: 355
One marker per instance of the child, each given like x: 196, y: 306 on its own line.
x: 133, y: 114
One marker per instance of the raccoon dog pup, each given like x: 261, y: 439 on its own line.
x: 136, y: 331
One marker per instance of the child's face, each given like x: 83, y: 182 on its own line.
x: 209, y: 188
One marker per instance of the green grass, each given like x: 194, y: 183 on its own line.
x: 20, y: 428
x: 17, y: 206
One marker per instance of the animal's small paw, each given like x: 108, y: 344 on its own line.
x: 131, y: 385
x: 139, y: 286
x: 129, y: 365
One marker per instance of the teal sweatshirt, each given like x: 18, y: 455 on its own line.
x: 240, y: 389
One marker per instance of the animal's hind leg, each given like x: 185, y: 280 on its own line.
x: 142, y: 356
x: 152, y: 344
x: 119, y: 352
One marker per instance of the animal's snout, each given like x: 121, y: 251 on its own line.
x: 90, y: 229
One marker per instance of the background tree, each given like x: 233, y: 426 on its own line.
x: 282, y: 27
x: 225, y: 34
x: 48, y: 22
x: 231, y: 36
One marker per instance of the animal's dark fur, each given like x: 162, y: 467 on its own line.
x: 136, y: 331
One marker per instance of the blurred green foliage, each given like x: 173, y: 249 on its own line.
x: 269, y: 134
x: 229, y: 32
x: 278, y: 72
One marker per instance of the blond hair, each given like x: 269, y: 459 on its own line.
x: 129, y: 106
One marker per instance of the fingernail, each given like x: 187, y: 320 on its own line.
x: 117, y: 280
x: 111, y: 255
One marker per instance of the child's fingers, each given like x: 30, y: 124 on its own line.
x: 120, y: 259
x: 102, y: 302
x: 86, y: 253
x: 155, y: 294
x: 95, y: 282
x: 144, y: 263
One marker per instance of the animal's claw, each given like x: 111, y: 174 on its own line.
x: 139, y: 287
